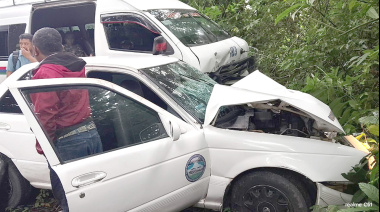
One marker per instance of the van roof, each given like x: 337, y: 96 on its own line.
x: 157, y: 4
x: 133, y: 4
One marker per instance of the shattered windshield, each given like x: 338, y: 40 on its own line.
x: 190, y: 27
x: 188, y: 87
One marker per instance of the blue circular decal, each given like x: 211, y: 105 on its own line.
x: 195, y: 168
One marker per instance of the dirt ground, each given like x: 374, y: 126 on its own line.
x: 43, y: 201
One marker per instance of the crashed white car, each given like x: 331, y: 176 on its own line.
x: 173, y: 138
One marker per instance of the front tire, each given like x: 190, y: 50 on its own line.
x: 267, y: 192
x: 16, y: 188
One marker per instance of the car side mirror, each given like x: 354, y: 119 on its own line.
x: 160, y: 45
x: 175, y: 131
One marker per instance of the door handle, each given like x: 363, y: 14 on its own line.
x: 4, y: 126
x: 88, y: 179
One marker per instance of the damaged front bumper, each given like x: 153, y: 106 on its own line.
x: 233, y: 70
x: 327, y: 196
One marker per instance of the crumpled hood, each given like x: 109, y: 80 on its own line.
x: 258, y: 88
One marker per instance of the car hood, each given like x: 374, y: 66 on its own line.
x: 258, y: 88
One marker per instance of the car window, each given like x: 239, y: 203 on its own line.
x: 129, y: 32
x: 186, y: 85
x: 121, y: 122
x: 8, y: 104
x: 134, y: 85
x: 190, y: 27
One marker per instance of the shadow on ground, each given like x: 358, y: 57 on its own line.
x: 43, y: 201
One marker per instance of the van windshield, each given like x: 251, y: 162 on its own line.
x: 190, y: 27
x: 187, y: 86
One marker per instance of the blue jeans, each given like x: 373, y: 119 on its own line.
x: 79, y: 145
x: 70, y: 148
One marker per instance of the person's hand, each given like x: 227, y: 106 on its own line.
x: 28, y: 55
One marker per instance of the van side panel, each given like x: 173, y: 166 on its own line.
x: 11, y: 16
x: 15, y: 15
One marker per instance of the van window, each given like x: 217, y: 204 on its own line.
x: 190, y: 27
x: 9, y: 39
x: 67, y: 17
x: 129, y: 32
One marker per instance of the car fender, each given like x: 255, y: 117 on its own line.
x: 235, y: 152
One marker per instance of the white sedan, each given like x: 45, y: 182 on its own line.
x: 173, y: 138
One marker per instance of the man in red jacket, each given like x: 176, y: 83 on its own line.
x: 65, y: 115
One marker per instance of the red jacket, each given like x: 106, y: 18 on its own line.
x: 60, y: 109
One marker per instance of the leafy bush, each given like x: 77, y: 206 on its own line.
x: 328, y: 48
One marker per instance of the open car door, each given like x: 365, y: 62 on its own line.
x: 151, y: 160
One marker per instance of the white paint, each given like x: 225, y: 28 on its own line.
x: 258, y: 88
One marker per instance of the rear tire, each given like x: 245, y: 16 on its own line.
x: 16, y: 188
x: 267, y: 192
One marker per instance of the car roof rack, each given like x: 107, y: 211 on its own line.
x: 11, y: 3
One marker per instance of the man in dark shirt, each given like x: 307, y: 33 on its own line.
x: 65, y: 115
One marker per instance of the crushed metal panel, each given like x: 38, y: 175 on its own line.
x: 258, y: 88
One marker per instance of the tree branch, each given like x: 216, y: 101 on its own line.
x: 369, y: 22
x: 324, y: 16
x: 327, y: 25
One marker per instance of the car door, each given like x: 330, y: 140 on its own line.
x: 151, y: 160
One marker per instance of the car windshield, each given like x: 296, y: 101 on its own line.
x: 186, y: 85
x: 190, y: 27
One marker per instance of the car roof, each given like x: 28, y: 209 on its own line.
x: 133, y: 62
x: 136, y: 61
x: 158, y: 4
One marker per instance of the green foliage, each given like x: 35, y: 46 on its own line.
x: 328, y: 48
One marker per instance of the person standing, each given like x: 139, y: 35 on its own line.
x: 65, y: 115
x: 25, y: 55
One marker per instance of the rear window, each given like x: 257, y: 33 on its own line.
x: 190, y: 27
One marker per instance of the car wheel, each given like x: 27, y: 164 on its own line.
x: 16, y: 187
x: 267, y: 192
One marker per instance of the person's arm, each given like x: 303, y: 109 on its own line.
x: 46, y: 109
x: 10, y: 69
x: 46, y: 105
x: 9, y: 73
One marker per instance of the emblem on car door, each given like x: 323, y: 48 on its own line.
x: 195, y: 168
x: 233, y: 51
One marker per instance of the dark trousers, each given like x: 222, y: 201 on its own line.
x: 58, y: 191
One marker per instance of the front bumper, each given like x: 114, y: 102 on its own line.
x: 234, y: 70
x: 327, y: 196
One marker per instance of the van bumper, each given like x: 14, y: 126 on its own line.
x: 233, y: 71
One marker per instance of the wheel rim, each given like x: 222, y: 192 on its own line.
x: 263, y: 198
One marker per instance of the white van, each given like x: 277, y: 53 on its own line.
x: 122, y: 27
